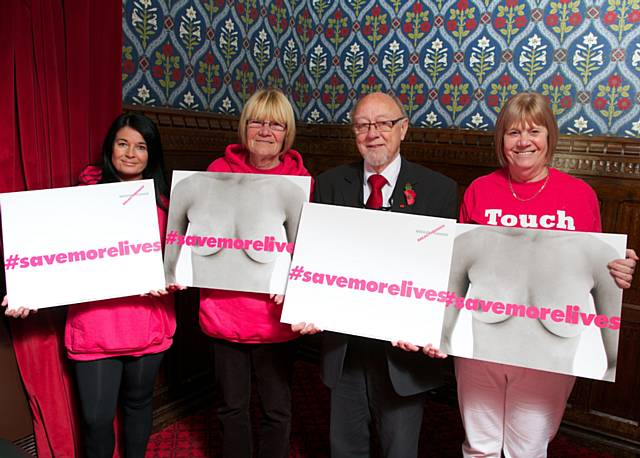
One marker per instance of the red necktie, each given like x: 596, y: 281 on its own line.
x: 376, y: 182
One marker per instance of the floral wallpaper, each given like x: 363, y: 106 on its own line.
x: 451, y: 62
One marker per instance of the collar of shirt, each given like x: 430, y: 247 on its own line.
x: 391, y: 173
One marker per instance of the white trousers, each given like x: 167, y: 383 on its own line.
x: 508, y: 408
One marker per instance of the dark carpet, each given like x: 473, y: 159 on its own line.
x: 198, y: 435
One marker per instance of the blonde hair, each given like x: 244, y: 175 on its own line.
x: 269, y: 105
x: 522, y: 109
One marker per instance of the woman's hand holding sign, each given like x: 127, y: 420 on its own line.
x: 21, y: 312
x: 305, y: 328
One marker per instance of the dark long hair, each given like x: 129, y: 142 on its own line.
x: 155, y: 162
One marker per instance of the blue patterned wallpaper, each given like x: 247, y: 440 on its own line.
x: 451, y: 62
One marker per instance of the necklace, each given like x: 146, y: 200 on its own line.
x: 515, y: 196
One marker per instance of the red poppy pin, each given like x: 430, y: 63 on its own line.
x: 409, y: 194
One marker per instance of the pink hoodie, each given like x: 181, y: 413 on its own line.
x: 125, y: 326
x: 239, y: 316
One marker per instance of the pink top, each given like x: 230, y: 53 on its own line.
x: 566, y: 203
x: 125, y: 326
x: 239, y: 316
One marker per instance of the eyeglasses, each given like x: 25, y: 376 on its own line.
x: 273, y: 125
x: 381, y: 126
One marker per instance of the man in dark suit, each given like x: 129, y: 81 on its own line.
x: 371, y: 382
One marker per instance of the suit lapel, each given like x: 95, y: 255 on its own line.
x: 350, y: 186
x: 404, y: 177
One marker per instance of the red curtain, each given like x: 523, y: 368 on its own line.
x: 60, y: 83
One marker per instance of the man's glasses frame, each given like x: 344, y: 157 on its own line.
x: 381, y: 126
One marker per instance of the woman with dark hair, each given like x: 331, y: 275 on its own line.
x: 112, y: 172
x: 117, y: 344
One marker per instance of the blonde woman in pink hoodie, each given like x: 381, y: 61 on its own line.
x: 248, y: 336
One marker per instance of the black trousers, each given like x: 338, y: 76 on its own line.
x: 272, y: 366
x: 364, y: 398
x: 100, y: 384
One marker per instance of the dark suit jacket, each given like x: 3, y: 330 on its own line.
x: 436, y: 195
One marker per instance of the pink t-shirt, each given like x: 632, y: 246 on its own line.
x: 566, y: 203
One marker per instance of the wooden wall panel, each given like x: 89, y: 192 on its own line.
x: 621, y: 399
x: 628, y: 222
x: 606, y: 412
x: 186, y: 376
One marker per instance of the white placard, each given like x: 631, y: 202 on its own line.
x: 537, y: 288
x: 70, y: 245
x: 233, y: 231
x: 376, y: 274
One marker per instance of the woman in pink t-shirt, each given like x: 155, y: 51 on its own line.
x: 509, y: 409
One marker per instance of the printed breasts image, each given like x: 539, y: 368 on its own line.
x: 237, y: 224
